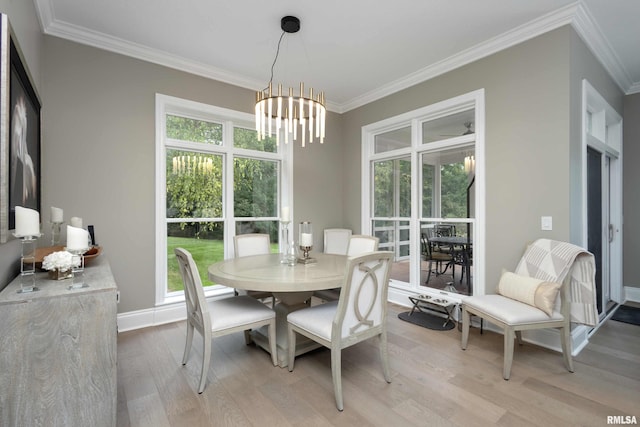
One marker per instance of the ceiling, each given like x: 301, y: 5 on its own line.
x: 356, y: 51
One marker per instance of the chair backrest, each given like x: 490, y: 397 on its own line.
x: 197, y: 308
x: 425, y: 248
x: 336, y: 240
x: 444, y: 230
x: 251, y: 244
x: 362, y: 307
x: 361, y: 244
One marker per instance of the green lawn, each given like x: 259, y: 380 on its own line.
x: 205, y: 252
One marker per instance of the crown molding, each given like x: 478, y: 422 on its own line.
x: 574, y: 14
x: 544, y: 24
x: 634, y: 88
x: 588, y: 29
x: 52, y: 27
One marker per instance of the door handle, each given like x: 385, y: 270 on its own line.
x: 611, y: 233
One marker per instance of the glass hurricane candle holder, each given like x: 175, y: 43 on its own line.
x: 306, y: 242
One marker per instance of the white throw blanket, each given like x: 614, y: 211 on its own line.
x: 551, y: 261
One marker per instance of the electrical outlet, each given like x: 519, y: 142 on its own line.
x: 546, y: 223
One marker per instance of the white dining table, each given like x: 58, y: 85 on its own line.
x: 291, y: 285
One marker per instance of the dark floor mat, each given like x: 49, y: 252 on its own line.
x: 627, y: 314
x: 427, y: 320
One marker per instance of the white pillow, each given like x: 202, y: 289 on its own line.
x: 534, y: 292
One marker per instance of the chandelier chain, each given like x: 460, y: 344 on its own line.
x: 275, y: 60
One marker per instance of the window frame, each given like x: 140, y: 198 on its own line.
x: 230, y: 119
x: 472, y: 100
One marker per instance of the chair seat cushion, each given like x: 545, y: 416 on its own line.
x: 328, y: 294
x: 229, y: 312
x: 317, y: 319
x: 508, y: 310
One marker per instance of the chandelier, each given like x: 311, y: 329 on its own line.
x: 192, y: 165
x: 296, y: 117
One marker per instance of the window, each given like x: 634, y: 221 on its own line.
x: 215, y: 180
x: 419, y: 183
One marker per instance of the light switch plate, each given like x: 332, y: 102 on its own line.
x: 546, y: 223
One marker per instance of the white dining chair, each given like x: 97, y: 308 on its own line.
x: 361, y: 243
x: 218, y: 318
x: 358, y: 315
x: 336, y: 240
x: 358, y: 244
x: 248, y: 245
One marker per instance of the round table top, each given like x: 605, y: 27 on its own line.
x: 266, y: 273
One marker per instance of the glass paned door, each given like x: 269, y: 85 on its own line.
x: 392, y: 210
x: 446, y: 226
x: 418, y: 176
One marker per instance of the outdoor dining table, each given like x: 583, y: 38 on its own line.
x: 291, y: 285
x: 464, y: 250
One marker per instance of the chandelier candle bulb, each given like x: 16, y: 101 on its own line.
x: 77, y: 238
x: 27, y: 222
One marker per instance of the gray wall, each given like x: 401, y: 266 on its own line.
x: 98, y: 145
x: 533, y: 140
x: 527, y: 134
x: 631, y: 180
x: 99, y: 151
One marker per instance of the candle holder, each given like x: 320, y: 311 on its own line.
x: 288, y: 247
x: 306, y: 242
x: 77, y: 270
x: 28, y: 264
x: 55, y: 232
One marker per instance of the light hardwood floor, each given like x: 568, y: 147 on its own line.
x: 434, y: 382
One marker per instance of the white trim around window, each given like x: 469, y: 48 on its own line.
x: 472, y: 100
x: 171, y: 105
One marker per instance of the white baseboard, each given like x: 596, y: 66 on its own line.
x: 151, y: 317
x: 161, y: 314
x: 631, y: 294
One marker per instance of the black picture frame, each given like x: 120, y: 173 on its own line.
x: 20, y: 133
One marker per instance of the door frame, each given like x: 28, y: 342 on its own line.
x: 602, y: 131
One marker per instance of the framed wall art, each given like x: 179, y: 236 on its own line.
x: 20, y: 133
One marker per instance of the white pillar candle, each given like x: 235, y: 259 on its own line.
x: 285, y: 214
x: 27, y: 222
x: 306, y: 239
x: 56, y: 214
x: 77, y: 238
x: 76, y: 222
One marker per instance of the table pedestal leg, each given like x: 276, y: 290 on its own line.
x: 289, y: 302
